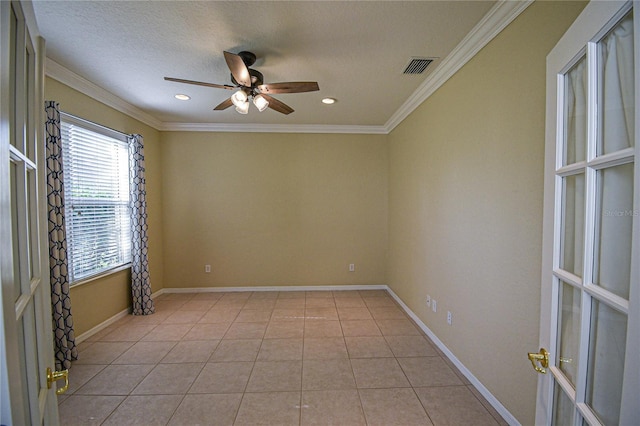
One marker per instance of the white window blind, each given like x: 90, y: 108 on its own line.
x: 96, y: 184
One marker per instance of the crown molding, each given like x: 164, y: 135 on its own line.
x: 271, y: 128
x: 84, y: 86
x: 500, y: 15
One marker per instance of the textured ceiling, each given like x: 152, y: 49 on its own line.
x: 355, y: 50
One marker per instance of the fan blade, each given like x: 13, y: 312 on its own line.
x: 200, y: 83
x: 223, y: 105
x: 289, y: 87
x: 277, y: 105
x: 238, y: 69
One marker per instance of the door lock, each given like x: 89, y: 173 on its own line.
x: 540, y: 360
x: 54, y: 376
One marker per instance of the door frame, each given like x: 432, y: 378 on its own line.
x: 575, y: 40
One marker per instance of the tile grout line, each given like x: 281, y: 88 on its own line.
x: 245, y: 304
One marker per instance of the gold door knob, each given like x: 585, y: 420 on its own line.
x: 541, y: 358
x: 53, y: 376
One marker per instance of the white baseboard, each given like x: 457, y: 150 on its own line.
x: 506, y: 415
x: 274, y: 288
x: 106, y: 323
x: 84, y: 336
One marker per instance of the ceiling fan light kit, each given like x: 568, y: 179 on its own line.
x: 239, y: 98
x: 251, y: 85
x: 243, y: 108
x: 260, y: 102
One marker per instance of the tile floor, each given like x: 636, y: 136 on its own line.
x: 269, y: 358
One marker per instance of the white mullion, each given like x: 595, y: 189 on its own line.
x: 590, y: 221
x: 33, y: 284
x: 569, y: 278
x: 20, y: 305
x: 588, y: 415
x: 563, y: 382
x: 571, y: 169
x: 613, y: 159
x: 19, y: 156
x: 612, y: 300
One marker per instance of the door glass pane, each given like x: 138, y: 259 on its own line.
x: 568, y: 331
x: 573, y: 224
x: 13, y: 37
x: 607, y: 345
x: 615, y: 223
x: 562, y: 407
x: 575, y: 113
x: 617, y: 90
x: 32, y: 249
x: 13, y: 178
x: 28, y: 99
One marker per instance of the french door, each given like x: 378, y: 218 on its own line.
x: 590, y: 309
x: 26, y: 341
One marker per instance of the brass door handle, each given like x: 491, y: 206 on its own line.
x: 541, y: 358
x: 53, y: 376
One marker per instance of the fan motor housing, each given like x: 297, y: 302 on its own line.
x: 249, y: 58
x: 256, y: 78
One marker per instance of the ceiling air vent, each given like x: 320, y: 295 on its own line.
x: 417, y: 65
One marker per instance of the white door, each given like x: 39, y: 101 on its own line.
x: 26, y: 341
x: 590, y: 310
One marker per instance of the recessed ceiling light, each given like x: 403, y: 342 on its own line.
x: 329, y: 101
x: 182, y: 97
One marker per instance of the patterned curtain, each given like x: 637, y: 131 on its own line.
x: 64, y: 337
x: 140, y: 284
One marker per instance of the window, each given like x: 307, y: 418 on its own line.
x: 96, y: 185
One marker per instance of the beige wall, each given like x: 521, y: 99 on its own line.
x: 274, y: 209
x: 465, y: 205
x: 97, y: 301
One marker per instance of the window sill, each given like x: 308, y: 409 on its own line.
x: 100, y: 275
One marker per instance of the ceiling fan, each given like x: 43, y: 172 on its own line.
x: 252, y: 86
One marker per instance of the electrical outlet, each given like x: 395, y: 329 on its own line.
x: 449, y: 318
x: 352, y: 267
x: 207, y: 268
x: 434, y: 305
x: 428, y: 301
